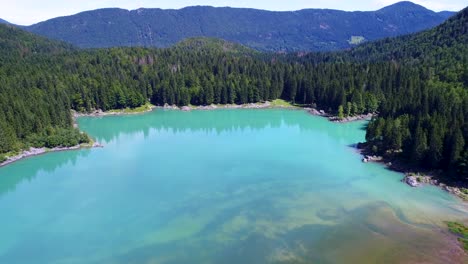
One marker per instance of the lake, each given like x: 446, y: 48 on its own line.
x: 224, y: 186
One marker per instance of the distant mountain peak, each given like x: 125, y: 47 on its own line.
x: 404, y: 6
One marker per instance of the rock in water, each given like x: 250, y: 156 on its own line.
x: 411, y: 181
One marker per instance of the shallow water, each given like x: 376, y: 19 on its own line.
x: 225, y: 186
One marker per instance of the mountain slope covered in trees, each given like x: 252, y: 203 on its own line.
x: 304, y: 30
x: 425, y: 114
x: 417, y: 84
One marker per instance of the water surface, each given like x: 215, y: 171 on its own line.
x: 225, y: 186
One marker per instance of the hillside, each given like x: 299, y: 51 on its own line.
x: 202, y: 44
x: 450, y: 36
x: 4, y: 21
x: 417, y: 84
x: 15, y: 44
x: 304, y: 30
x: 428, y: 124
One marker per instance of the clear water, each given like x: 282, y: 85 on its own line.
x: 225, y: 186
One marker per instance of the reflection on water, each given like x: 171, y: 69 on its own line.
x: 26, y: 170
x: 227, y: 186
x: 206, y: 121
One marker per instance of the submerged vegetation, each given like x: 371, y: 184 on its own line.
x: 417, y: 84
x: 461, y: 230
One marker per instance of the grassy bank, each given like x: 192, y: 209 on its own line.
x: 461, y: 231
x: 141, y: 109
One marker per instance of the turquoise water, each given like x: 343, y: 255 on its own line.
x: 225, y: 186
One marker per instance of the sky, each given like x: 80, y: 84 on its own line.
x: 27, y: 12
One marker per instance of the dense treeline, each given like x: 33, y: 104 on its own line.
x: 417, y: 84
x: 425, y: 116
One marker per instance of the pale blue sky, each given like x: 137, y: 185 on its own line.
x: 26, y: 12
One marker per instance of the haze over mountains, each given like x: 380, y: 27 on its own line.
x: 304, y: 30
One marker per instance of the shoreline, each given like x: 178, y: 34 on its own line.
x: 32, y: 152
x: 413, y: 176
x: 97, y: 113
x: 150, y: 108
x: 336, y: 119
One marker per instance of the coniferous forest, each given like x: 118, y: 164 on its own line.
x: 417, y: 84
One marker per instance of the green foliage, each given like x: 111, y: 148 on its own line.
x: 58, y: 137
x: 340, y: 112
x: 425, y: 104
x: 202, y: 44
x: 280, y: 103
x: 460, y: 230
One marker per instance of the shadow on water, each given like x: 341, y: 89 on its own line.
x: 218, y: 121
x: 364, y: 126
x: 28, y: 169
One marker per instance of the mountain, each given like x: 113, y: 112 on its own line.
x: 416, y: 83
x: 4, y: 21
x: 304, y: 30
x: 16, y: 44
x: 202, y: 44
x: 446, y: 14
x: 448, y: 40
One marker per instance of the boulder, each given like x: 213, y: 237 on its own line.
x: 314, y: 111
x: 411, y: 181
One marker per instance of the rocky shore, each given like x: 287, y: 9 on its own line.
x: 263, y: 105
x: 351, y: 118
x: 336, y: 119
x: 100, y: 112
x: 316, y: 112
x: 373, y: 158
x: 39, y: 151
x: 418, y: 179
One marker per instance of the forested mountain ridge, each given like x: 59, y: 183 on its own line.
x: 33, y: 104
x: 3, y: 21
x: 304, y: 30
x: 427, y: 123
x: 422, y: 107
x: 451, y: 35
x: 213, y: 44
x: 16, y: 44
